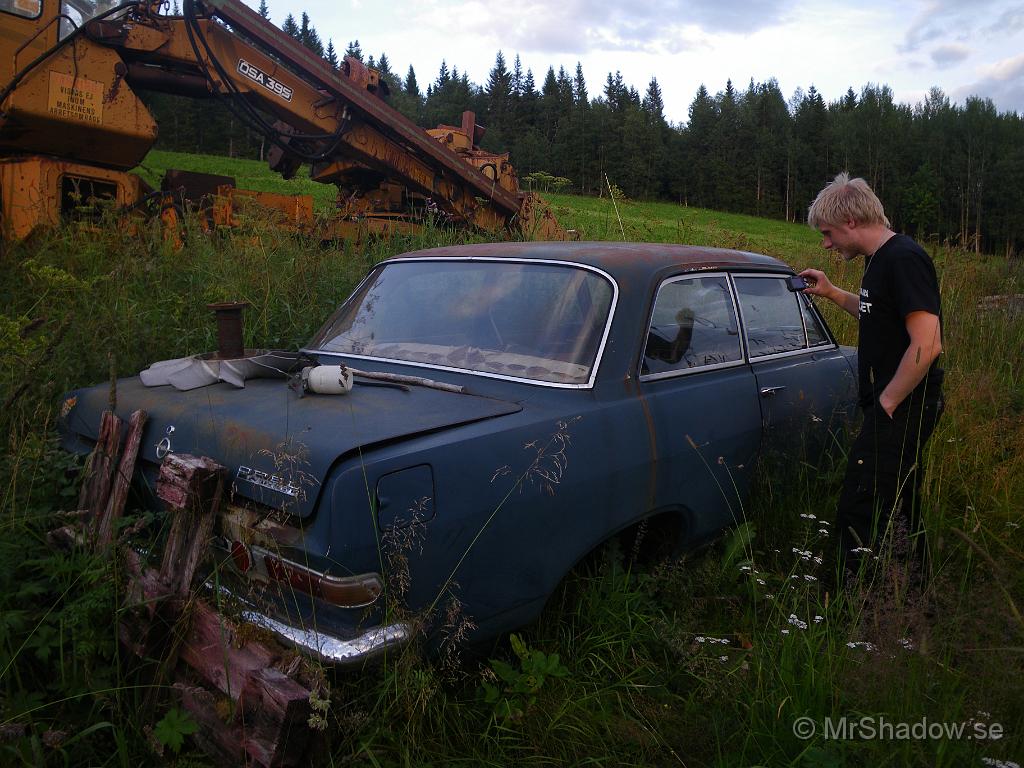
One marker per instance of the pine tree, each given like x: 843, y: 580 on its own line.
x: 331, y: 55
x: 354, y: 50
x: 499, y: 103
x: 410, y: 86
x: 308, y: 36
x: 263, y: 11
x: 290, y: 27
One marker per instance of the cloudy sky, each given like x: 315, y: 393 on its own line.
x: 966, y: 47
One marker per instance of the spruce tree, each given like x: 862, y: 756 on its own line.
x: 290, y: 27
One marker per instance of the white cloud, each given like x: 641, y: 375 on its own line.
x: 940, y: 19
x: 1003, y: 82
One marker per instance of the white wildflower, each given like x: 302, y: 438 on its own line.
x: 784, y: 631
x: 862, y: 644
x: 907, y: 643
x: 805, y: 554
x: 723, y: 659
x: 861, y: 550
x: 808, y: 577
x: 761, y: 582
x: 993, y: 763
x: 796, y: 622
x: 818, y: 619
x: 806, y: 516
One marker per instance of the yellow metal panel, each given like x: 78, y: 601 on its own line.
x: 77, y: 99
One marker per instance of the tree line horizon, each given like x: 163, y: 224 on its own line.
x: 943, y: 170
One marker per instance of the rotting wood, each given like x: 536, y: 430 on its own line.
x: 192, y: 488
x: 214, y: 734
x: 250, y: 710
x: 272, y: 707
x: 99, y: 466
x: 107, y: 523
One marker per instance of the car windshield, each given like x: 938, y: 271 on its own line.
x: 536, y: 321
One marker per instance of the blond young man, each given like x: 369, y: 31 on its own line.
x: 899, y: 317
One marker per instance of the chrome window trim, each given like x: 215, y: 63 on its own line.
x: 789, y: 353
x: 643, y: 377
x: 830, y: 340
x: 589, y: 384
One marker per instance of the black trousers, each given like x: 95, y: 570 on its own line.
x: 882, y: 488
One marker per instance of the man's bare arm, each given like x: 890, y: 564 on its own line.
x: 820, y: 285
x: 925, y: 346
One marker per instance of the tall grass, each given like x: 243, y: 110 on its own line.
x: 705, y: 661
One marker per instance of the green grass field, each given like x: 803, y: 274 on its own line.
x: 708, y: 661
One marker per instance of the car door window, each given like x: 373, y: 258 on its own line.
x: 693, y: 325
x: 771, y: 316
x: 816, y: 335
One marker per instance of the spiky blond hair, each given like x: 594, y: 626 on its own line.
x: 844, y: 199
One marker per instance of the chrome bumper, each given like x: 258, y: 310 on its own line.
x: 336, y: 650
x: 320, y: 645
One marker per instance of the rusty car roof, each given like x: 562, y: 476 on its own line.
x: 616, y: 258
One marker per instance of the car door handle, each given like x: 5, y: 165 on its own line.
x: 769, y: 391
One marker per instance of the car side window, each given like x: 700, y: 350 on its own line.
x: 816, y: 335
x: 771, y: 316
x: 693, y: 325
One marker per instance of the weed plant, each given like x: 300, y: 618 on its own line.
x: 709, y: 659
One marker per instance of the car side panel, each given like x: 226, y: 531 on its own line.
x: 708, y: 431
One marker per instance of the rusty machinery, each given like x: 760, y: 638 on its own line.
x: 72, y: 125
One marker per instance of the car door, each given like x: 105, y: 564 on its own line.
x: 801, y: 373
x: 702, y: 399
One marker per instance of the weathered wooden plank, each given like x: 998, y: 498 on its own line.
x: 107, y: 522
x: 192, y: 488
x: 213, y: 649
x: 99, y: 466
x: 215, y: 735
x: 197, y: 538
x: 276, y: 712
x: 182, y: 476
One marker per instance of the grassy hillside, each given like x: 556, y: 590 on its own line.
x: 711, y: 660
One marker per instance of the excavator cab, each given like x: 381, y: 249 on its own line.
x: 68, y: 130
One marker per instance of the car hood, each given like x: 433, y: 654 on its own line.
x: 278, y: 447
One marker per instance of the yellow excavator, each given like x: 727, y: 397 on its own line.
x: 72, y: 125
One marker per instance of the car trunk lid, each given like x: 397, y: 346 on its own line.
x: 278, y: 447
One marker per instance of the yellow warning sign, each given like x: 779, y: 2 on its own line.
x: 76, y: 98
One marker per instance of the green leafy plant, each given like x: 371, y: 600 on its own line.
x: 515, y: 689
x: 173, y: 728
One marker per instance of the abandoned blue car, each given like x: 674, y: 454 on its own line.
x: 474, y: 420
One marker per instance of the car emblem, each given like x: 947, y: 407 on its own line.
x: 164, y: 446
x: 264, y: 480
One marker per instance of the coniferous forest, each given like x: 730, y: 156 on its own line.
x: 944, y: 170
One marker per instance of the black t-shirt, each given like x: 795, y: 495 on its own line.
x: 898, y: 279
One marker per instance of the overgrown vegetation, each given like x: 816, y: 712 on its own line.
x: 705, y: 661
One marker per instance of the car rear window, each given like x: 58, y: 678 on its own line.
x: 534, y: 321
